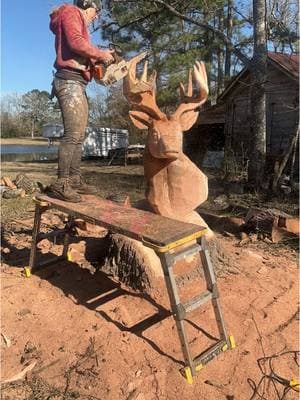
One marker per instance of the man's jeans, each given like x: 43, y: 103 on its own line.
x: 73, y: 103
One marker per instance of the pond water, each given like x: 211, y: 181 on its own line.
x: 17, y: 152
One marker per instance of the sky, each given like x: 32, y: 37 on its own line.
x: 27, y: 45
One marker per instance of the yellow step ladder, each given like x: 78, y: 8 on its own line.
x: 181, y: 310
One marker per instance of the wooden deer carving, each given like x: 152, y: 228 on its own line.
x: 175, y: 186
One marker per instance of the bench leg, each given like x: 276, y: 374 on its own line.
x: 35, y: 233
x: 36, y: 237
x: 68, y: 227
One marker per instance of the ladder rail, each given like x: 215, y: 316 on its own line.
x: 212, y: 285
x: 167, y: 262
x: 179, y: 310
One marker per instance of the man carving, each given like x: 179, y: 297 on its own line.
x: 74, y: 58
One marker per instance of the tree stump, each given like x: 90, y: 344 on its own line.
x: 138, y: 267
x: 133, y: 264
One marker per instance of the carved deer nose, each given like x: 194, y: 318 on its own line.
x: 170, y: 146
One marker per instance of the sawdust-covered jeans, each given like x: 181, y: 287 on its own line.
x: 73, y: 103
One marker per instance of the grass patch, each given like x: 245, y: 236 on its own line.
x: 19, y: 208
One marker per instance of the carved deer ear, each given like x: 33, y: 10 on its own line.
x: 187, y: 120
x: 140, y: 119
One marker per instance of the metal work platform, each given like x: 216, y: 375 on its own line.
x: 165, y: 236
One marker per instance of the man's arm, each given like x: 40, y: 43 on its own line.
x: 71, y: 25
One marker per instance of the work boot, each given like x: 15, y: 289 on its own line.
x: 78, y: 184
x: 61, y: 189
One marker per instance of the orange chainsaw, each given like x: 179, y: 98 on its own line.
x: 106, y: 75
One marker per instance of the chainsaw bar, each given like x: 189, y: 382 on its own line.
x: 116, y: 72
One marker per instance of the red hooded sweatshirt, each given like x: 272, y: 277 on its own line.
x: 73, y: 47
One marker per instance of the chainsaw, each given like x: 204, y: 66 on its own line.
x: 106, y: 75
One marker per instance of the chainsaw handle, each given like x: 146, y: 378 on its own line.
x: 116, y: 48
x: 118, y: 53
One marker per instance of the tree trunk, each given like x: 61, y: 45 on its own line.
x: 258, y: 70
x: 229, y: 35
x: 294, y: 158
x: 207, y: 40
x: 32, y: 128
x: 220, y: 54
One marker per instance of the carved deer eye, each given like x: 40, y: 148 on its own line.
x: 156, y: 134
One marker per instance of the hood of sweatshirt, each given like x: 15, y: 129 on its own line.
x: 55, y: 17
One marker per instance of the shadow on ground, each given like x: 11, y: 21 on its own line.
x: 91, y: 289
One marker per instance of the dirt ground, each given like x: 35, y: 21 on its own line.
x: 86, y: 336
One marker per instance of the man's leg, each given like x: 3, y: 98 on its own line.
x: 76, y: 179
x: 81, y: 127
x: 72, y: 100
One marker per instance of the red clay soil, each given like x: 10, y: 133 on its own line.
x: 93, y: 338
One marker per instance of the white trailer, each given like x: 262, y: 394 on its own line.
x: 98, y: 141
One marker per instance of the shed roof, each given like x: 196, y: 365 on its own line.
x: 212, y: 115
x: 287, y: 63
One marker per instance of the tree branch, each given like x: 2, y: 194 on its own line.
x: 135, y: 21
x: 243, y: 16
x: 203, y: 25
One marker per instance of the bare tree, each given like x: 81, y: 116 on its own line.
x: 97, y: 109
x: 37, y: 107
x: 282, y: 17
x: 11, y: 119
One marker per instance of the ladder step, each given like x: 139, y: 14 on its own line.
x: 54, y: 233
x: 211, y: 353
x: 186, y: 252
x: 198, y: 301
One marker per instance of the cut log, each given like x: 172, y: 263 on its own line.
x: 137, y: 266
x: 261, y: 220
x: 7, y: 182
x: 130, y: 262
x: 272, y: 222
x: 285, y: 229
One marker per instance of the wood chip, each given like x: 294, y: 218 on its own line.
x: 21, y: 375
x: 7, y: 182
x: 133, y: 395
x: 6, y: 340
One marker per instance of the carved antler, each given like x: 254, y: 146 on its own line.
x: 140, y: 93
x: 188, y: 102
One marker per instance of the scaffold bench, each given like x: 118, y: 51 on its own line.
x: 165, y: 236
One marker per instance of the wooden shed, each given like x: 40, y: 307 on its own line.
x: 206, y: 135
x: 282, y: 90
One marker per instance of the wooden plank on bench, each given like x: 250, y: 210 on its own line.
x: 152, y: 229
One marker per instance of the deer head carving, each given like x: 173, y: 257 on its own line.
x: 175, y: 186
